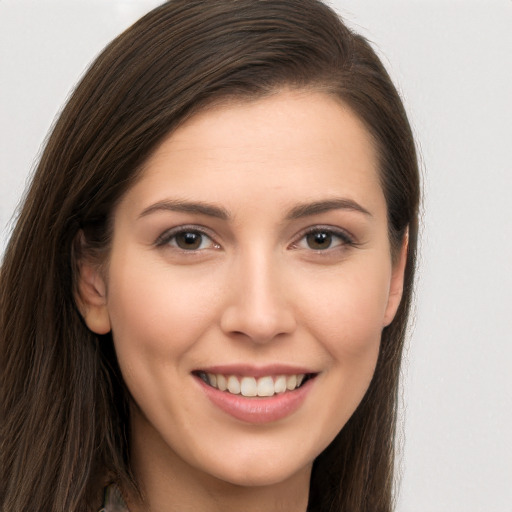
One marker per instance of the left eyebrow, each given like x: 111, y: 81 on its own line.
x: 317, y: 207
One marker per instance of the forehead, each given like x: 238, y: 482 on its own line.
x: 292, y: 143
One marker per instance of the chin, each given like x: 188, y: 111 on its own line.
x: 256, y: 468
x: 262, y: 476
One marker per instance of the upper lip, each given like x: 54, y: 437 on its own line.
x: 247, y: 370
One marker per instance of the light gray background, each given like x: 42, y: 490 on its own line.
x: 452, y: 60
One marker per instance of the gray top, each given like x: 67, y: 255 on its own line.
x: 113, y: 501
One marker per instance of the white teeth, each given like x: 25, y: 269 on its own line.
x: 233, y: 385
x: 266, y: 386
x: 248, y: 386
x: 252, y: 387
x: 280, y: 384
x: 221, y: 383
x: 291, y: 382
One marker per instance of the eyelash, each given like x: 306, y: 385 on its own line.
x: 343, y: 236
x: 168, y: 236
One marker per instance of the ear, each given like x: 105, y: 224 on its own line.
x: 91, y: 297
x: 396, y: 287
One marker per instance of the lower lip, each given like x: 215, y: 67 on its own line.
x: 258, y: 409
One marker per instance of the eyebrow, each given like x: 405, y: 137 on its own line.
x: 177, y: 205
x: 298, y: 212
x: 317, y: 207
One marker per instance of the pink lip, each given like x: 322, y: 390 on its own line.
x: 257, y: 410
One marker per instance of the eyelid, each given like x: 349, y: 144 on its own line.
x: 347, y: 239
x: 345, y: 236
x: 164, y: 238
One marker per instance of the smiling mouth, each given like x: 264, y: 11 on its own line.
x: 266, y: 386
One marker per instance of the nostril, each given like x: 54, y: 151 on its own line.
x: 256, y: 324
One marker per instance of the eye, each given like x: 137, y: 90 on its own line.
x: 186, y: 239
x: 321, y: 239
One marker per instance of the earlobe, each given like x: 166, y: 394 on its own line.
x: 396, y: 288
x: 91, y: 298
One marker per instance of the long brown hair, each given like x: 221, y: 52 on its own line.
x: 64, y: 405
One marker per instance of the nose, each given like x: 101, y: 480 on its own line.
x: 259, y: 306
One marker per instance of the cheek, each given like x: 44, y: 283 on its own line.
x: 347, y: 313
x: 345, y: 316
x: 156, y: 315
x: 345, y: 320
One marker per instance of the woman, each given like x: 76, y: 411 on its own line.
x: 204, y: 300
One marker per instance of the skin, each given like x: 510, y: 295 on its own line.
x: 256, y: 292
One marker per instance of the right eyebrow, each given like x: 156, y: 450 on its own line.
x: 179, y: 205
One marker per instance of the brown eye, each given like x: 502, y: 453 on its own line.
x: 189, y: 240
x: 319, y: 240
x: 325, y: 238
x: 186, y: 239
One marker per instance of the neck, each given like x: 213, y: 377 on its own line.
x: 172, y: 495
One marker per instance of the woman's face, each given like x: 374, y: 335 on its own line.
x: 253, y: 254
